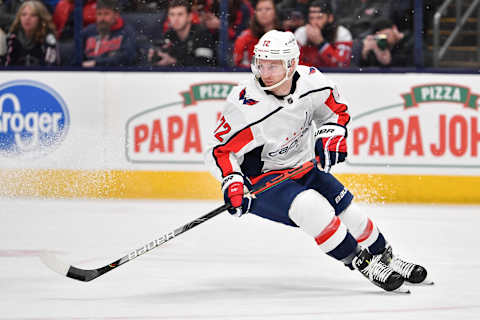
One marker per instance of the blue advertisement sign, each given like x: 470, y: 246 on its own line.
x: 34, y: 119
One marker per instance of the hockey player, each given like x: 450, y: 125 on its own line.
x: 266, y: 128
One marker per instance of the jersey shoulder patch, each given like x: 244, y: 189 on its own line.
x: 313, y: 77
x: 245, y: 94
x: 243, y: 97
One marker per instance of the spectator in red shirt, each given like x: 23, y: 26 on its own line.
x: 108, y: 42
x: 322, y: 42
x: 265, y: 19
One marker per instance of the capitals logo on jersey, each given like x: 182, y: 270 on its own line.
x: 247, y: 101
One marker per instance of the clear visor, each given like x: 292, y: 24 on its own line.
x: 268, y: 68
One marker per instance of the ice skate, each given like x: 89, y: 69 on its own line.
x: 376, y: 271
x: 411, y: 272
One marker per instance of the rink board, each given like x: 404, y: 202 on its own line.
x: 412, y: 137
x: 201, y: 185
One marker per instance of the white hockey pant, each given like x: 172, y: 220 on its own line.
x: 314, y: 215
x: 359, y: 225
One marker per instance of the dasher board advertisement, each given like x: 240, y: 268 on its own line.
x: 401, y: 123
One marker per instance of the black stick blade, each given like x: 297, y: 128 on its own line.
x: 81, y: 274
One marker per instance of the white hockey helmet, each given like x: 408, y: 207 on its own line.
x: 276, y: 45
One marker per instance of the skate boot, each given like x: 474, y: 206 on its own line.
x: 376, y: 271
x: 412, y: 273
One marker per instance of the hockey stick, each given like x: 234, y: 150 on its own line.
x: 70, y: 271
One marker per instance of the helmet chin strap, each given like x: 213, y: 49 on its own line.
x: 275, y: 85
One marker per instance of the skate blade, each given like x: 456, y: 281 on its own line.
x: 426, y: 282
x: 401, y: 290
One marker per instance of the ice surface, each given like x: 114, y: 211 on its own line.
x: 226, y: 268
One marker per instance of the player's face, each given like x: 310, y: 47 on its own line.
x: 179, y: 18
x: 29, y: 19
x: 265, y: 13
x: 271, y: 71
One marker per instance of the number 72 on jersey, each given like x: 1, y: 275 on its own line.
x: 222, y: 129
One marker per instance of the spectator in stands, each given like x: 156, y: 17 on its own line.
x: 322, y: 42
x: 264, y: 20
x: 185, y: 44
x: 63, y: 17
x: 31, y: 40
x: 385, y: 46
x: 109, y: 42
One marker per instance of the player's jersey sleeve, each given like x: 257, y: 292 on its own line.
x: 232, y: 137
x: 330, y: 105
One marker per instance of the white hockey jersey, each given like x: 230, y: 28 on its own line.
x: 259, y: 132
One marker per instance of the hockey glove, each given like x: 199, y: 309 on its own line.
x: 330, y: 145
x: 233, y: 188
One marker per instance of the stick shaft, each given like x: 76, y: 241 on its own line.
x: 168, y: 236
x: 87, y: 275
